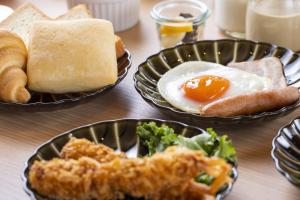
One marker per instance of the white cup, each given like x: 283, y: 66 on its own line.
x: 124, y: 14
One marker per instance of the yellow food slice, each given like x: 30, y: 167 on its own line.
x: 172, y: 28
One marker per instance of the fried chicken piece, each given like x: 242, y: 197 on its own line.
x: 77, y: 148
x: 190, y: 190
x: 86, y: 178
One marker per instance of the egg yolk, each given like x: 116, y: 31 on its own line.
x: 205, y: 88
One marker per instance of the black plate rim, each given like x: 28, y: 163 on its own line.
x: 284, y: 109
x: 32, y: 195
x: 274, y: 157
x: 95, y: 93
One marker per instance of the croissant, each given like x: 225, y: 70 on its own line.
x: 13, y: 58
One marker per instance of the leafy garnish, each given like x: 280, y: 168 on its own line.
x: 157, y: 139
x: 225, y: 149
x: 205, y: 178
x: 211, y: 144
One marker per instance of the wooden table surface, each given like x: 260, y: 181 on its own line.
x: 21, y: 133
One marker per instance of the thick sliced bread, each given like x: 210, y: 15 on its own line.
x: 78, y: 12
x: 21, y: 20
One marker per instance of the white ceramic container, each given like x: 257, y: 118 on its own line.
x: 124, y: 14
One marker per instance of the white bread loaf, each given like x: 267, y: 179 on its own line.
x: 71, y: 56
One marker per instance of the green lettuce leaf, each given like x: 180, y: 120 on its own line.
x: 211, y: 144
x: 157, y: 139
x: 225, y: 149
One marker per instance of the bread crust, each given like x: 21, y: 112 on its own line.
x: 252, y: 103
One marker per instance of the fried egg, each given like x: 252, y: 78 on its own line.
x: 194, y: 84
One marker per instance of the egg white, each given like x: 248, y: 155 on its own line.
x: 241, y: 82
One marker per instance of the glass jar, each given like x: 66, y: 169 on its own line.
x: 180, y: 21
x: 274, y: 21
x: 230, y: 16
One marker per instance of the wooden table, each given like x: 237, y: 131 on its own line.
x: 21, y: 133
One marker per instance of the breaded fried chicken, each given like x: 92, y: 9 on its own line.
x: 147, y: 177
x: 77, y: 148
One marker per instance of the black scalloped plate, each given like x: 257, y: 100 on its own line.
x: 286, y: 151
x: 217, y: 51
x: 43, y: 102
x: 117, y: 134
